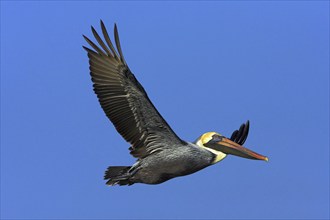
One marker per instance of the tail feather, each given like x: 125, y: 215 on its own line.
x: 117, y: 175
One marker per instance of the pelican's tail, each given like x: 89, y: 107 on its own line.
x: 117, y: 175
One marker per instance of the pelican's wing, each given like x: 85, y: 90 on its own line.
x: 239, y: 136
x: 124, y: 100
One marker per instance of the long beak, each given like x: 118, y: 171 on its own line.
x: 230, y: 147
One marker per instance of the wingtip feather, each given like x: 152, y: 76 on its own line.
x: 117, y: 41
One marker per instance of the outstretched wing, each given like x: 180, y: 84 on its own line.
x: 125, y: 101
x: 240, y: 136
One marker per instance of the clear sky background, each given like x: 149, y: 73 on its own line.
x: 207, y: 66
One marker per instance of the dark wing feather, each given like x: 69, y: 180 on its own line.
x: 125, y: 101
x: 239, y: 136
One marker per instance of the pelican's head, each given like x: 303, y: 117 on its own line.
x: 221, y: 146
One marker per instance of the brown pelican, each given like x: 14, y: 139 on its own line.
x: 161, y: 154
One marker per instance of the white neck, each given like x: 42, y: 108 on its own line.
x: 219, y: 155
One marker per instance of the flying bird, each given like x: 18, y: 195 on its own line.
x: 161, y: 154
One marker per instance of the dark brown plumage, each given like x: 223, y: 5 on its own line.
x: 123, y: 98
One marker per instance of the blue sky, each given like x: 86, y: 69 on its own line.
x: 207, y: 66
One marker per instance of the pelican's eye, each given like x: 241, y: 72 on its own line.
x: 216, y: 138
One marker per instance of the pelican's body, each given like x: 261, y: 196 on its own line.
x: 161, y: 154
x: 164, y: 165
